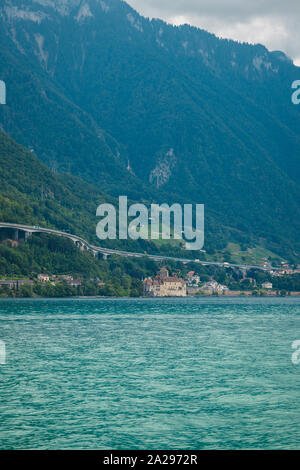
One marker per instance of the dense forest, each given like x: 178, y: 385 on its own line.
x: 58, y: 256
x: 31, y: 194
x: 115, y: 276
x: 160, y: 113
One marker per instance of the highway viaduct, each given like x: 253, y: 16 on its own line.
x: 82, y: 244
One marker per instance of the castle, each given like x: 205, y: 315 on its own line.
x: 164, y: 286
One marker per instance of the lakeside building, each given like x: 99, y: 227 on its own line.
x: 75, y: 282
x: 193, y: 280
x: 64, y: 277
x: 55, y: 279
x: 213, y: 287
x: 267, y: 285
x: 286, y: 272
x: 97, y: 281
x: 43, y: 278
x: 15, y: 283
x: 67, y: 278
x: 165, y: 286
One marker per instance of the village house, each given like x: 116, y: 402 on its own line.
x: 267, y: 285
x: 276, y: 273
x: 287, y: 272
x: 213, y: 287
x: 193, y: 280
x: 97, y: 281
x: 75, y: 282
x: 165, y: 286
x: 15, y: 283
x: 65, y: 277
x: 43, y: 278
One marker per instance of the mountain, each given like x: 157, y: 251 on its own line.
x: 31, y: 194
x: 164, y: 113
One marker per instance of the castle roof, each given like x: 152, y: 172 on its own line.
x: 174, y: 279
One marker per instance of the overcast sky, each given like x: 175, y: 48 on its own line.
x: 274, y: 23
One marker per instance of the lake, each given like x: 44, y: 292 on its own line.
x: 207, y: 373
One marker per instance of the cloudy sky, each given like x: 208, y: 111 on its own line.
x: 274, y: 23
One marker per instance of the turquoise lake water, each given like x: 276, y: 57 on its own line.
x: 150, y: 374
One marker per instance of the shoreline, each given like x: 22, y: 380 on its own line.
x: 208, y: 296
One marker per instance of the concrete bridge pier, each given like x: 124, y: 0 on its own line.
x: 239, y: 271
x: 16, y: 235
x: 27, y: 235
x: 105, y: 256
x: 244, y: 273
x: 79, y: 245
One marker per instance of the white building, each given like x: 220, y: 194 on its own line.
x: 193, y: 280
x: 267, y: 285
x: 213, y: 287
x: 44, y: 278
x: 164, y: 286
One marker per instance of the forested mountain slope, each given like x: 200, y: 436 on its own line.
x: 157, y: 112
